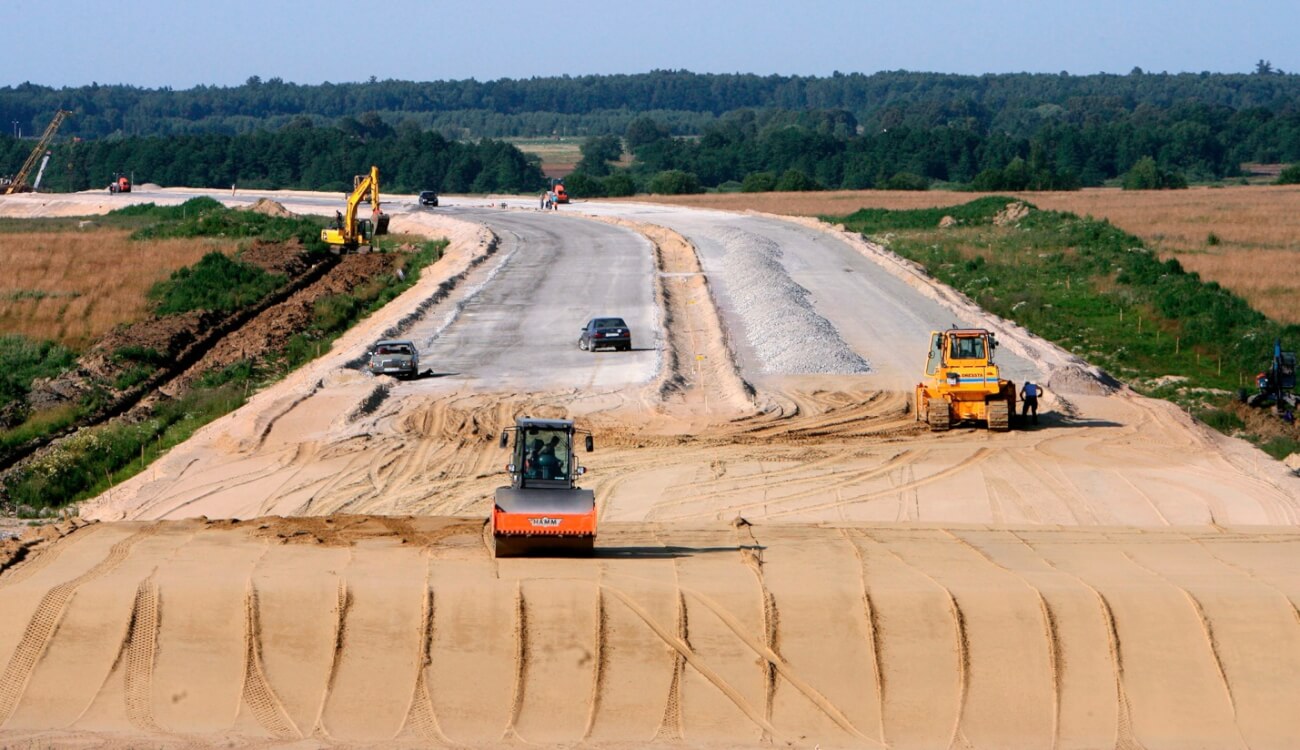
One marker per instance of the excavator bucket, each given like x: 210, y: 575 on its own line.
x: 540, y: 522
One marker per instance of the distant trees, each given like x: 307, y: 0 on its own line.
x: 301, y: 156
x: 597, y: 152
x: 996, y: 132
x: 1290, y: 175
x: 1147, y: 175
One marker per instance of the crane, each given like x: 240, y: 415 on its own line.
x: 19, y: 183
x: 348, y: 233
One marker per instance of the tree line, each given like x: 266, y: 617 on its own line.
x: 300, y: 156
x: 829, y: 149
x: 1015, y: 104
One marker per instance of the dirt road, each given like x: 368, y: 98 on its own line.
x: 1117, y: 576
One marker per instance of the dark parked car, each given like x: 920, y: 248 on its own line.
x: 394, y: 357
x: 428, y: 198
x: 605, y: 332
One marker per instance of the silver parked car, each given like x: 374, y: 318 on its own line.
x: 394, y: 357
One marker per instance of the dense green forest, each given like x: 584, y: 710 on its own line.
x: 688, y: 131
x: 1013, y: 104
x: 298, y: 156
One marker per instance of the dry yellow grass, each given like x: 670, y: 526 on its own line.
x: 73, y: 286
x: 1258, y: 227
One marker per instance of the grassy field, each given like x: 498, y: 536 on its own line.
x: 558, y: 155
x: 1254, y: 251
x: 73, y: 286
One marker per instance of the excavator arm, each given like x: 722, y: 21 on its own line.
x: 349, y: 234
x: 20, y: 180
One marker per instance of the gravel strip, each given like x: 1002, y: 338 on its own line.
x: 786, y: 334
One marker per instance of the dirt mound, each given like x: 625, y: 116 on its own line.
x: 285, y: 258
x: 271, y: 208
x: 1082, y: 379
x: 272, y: 329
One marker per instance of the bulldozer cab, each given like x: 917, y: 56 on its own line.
x: 968, y: 347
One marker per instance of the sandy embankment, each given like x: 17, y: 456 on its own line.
x: 406, y: 631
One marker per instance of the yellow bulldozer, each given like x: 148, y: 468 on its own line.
x: 962, y: 383
x: 348, y: 232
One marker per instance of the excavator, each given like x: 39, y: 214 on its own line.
x: 963, y: 383
x: 19, y: 183
x: 1276, y: 386
x: 350, y: 233
x: 543, y: 511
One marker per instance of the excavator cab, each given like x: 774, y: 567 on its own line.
x: 543, y: 511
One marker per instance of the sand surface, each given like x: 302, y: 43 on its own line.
x: 784, y: 557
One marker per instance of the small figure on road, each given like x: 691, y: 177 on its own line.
x: 1029, y: 394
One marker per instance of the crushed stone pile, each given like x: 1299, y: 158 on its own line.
x: 785, y: 332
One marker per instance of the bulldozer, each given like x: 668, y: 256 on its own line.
x: 963, y: 384
x: 348, y: 232
x: 543, y: 511
x: 1276, y: 385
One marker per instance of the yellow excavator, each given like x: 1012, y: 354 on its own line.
x: 348, y: 232
x: 962, y: 382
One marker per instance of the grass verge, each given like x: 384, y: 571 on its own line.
x: 1098, y: 292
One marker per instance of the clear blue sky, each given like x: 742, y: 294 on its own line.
x: 182, y: 43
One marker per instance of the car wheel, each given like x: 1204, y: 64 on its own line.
x: 582, y: 344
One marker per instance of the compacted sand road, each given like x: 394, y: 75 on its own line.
x: 1097, y: 582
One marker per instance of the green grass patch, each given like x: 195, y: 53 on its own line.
x: 94, y: 459
x: 216, y: 282
x: 205, y: 217
x: 39, y: 424
x: 22, y: 360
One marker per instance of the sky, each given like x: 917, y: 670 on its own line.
x: 184, y: 43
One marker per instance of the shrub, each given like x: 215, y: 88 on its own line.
x: 216, y: 282
x: 583, y: 185
x: 619, y: 184
x: 1212, y: 239
x: 907, y: 181
x: 1290, y: 175
x: 794, y: 181
x: 1147, y: 175
x: 758, y: 182
x: 675, y: 182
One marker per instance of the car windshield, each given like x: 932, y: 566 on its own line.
x: 610, y: 323
x: 394, y: 349
x: 967, y: 348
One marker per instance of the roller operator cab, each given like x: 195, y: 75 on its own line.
x: 962, y: 384
x: 543, y: 511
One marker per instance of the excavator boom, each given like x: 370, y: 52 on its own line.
x: 351, y: 233
x: 20, y: 180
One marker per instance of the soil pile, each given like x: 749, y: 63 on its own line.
x: 271, y: 208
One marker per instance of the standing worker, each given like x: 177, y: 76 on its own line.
x: 1029, y: 394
